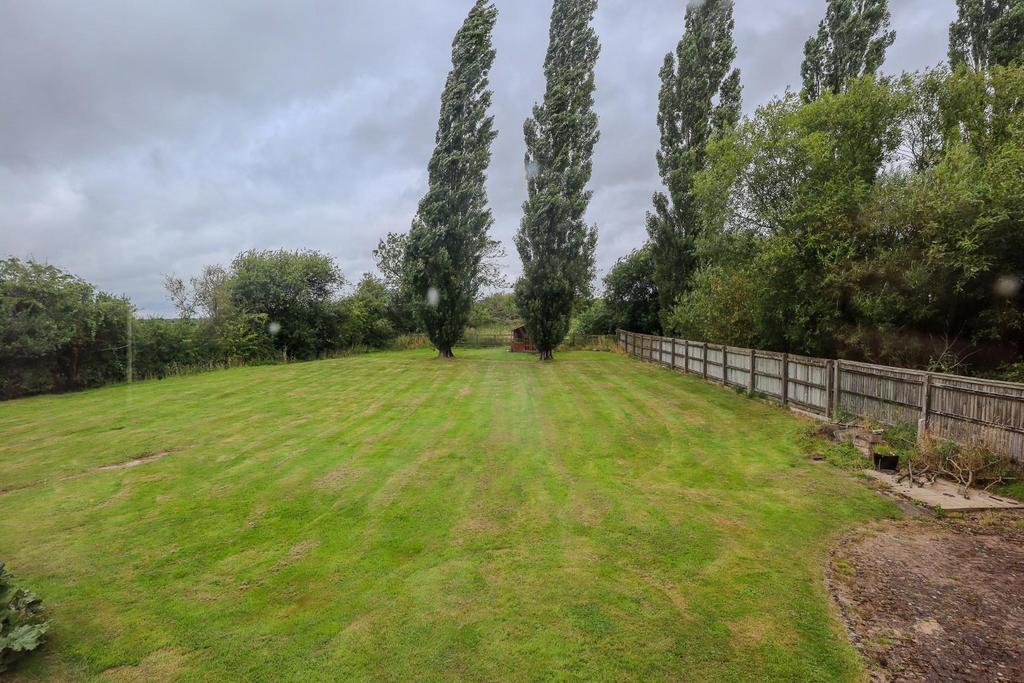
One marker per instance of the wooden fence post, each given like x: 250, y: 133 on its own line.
x: 837, y: 388
x: 829, y: 377
x: 686, y: 356
x: 926, y: 390
x: 785, y: 379
x: 704, y: 355
x: 751, y: 384
x: 725, y: 366
x: 673, y: 353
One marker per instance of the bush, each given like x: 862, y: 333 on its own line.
x: 22, y: 626
x: 163, y: 347
x: 967, y: 465
x: 594, y: 319
x: 57, y: 332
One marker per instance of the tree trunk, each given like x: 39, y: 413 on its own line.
x: 546, y: 355
x: 445, y: 354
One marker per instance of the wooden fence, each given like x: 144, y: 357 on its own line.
x: 962, y: 409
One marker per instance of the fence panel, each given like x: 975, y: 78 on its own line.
x: 807, y: 383
x: 768, y: 374
x: 737, y: 366
x: 696, y: 365
x: 665, y: 347
x: 714, y: 361
x: 988, y: 412
x: 890, y: 395
x: 963, y: 409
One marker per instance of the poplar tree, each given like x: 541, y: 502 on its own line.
x: 449, y: 235
x: 851, y: 42
x: 986, y: 33
x: 700, y: 97
x: 554, y: 242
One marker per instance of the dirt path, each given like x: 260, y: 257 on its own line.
x: 935, y: 600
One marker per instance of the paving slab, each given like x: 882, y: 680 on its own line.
x: 945, y: 495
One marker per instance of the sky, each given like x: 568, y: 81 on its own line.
x: 139, y: 139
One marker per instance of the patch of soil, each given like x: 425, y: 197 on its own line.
x: 935, y: 599
x: 134, y: 462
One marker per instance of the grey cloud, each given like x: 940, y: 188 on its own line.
x: 139, y: 138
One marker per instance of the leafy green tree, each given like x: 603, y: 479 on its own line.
x: 631, y: 294
x: 725, y: 306
x: 792, y: 183
x: 296, y: 291
x: 700, y: 97
x: 1008, y: 37
x: 495, y: 310
x: 554, y: 241
x: 985, y: 33
x: 965, y: 218
x: 57, y: 332
x: 448, y: 239
x: 369, y: 315
x: 595, y: 318
x: 205, y: 294
x: 390, y: 259
x: 819, y: 242
x: 851, y: 42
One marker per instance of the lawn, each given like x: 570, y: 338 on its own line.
x: 390, y: 517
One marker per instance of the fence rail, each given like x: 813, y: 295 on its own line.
x: 963, y: 409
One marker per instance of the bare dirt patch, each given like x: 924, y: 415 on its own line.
x: 935, y: 600
x: 134, y: 462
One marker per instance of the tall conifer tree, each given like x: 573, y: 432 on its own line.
x: 449, y: 236
x: 700, y: 97
x: 554, y: 242
x: 986, y: 32
x: 851, y: 42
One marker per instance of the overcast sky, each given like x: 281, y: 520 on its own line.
x: 143, y: 137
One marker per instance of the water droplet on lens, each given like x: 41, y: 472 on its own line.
x: 1008, y: 286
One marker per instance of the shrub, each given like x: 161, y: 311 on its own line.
x: 22, y: 625
x: 902, y: 441
x: 967, y: 465
x: 57, y: 332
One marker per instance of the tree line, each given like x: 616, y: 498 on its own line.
x: 58, y: 333
x: 867, y: 216
x: 870, y: 217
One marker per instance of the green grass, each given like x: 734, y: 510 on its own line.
x: 1013, y: 490
x: 394, y: 517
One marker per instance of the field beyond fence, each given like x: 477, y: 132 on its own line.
x: 962, y: 409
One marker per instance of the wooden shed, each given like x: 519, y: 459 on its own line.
x: 521, y: 342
